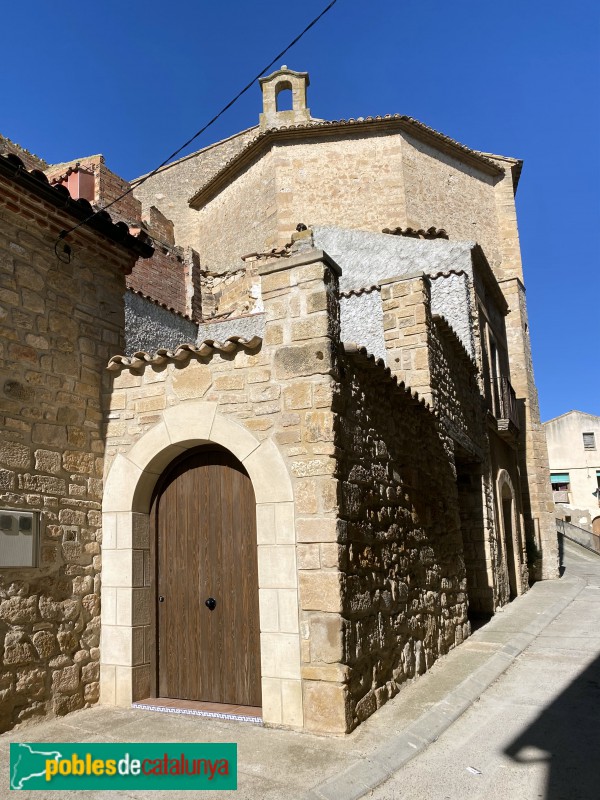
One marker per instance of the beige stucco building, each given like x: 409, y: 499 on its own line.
x: 574, y: 456
x: 315, y: 417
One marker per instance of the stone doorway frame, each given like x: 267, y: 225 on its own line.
x: 126, y: 671
x: 504, y: 480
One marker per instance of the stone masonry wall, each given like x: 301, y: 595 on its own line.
x: 362, y: 182
x: 444, y: 193
x: 58, y: 325
x: 407, y: 331
x: 241, y: 219
x: 400, y: 543
x: 171, y: 188
x: 282, y: 391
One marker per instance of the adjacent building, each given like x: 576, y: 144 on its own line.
x: 574, y: 455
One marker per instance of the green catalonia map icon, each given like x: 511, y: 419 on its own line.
x: 29, y: 764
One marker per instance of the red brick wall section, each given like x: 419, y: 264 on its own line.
x: 168, y: 276
x: 161, y: 277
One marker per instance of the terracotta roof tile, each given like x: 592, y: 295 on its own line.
x: 35, y: 181
x: 363, y: 290
x: 182, y: 353
x: 430, y: 233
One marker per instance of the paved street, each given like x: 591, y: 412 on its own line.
x: 535, y: 733
x: 512, y: 713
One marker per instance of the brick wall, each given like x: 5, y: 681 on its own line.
x: 30, y: 160
x: 59, y: 325
x: 171, y: 276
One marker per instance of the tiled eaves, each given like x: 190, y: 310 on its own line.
x: 36, y: 182
x: 182, y: 353
x: 67, y: 173
x: 376, y: 287
x: 162, y: 305
x: 420, y: 233
x: 368, y: 361
x: 331, y: 128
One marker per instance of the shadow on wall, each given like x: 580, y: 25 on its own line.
x: 469, y: 481
x: 566, y: 735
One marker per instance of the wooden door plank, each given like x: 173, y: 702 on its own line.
x: 206, y: 546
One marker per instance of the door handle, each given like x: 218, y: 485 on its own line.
x: 161, y: 599
x: 211, y: 603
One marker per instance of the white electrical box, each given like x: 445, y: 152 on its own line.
x: 19, y: 538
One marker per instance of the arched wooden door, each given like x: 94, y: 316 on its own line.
x: 208, y: 636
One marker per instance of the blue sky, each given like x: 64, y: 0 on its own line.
x: 521, y: 78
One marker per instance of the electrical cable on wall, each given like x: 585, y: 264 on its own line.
x: 65, y: 233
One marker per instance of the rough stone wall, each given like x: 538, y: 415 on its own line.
x: 361, y: 182
x: 330, y: 181
x: 171, y: 188
x: 149, y: 326
x: 455, y: 388
x: 404, y: 601
x: 241, y: 219
x: 59, y: 325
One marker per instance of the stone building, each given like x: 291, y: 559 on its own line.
x: 62, y: 316
x: 315, y: 458
x: 573, y: 452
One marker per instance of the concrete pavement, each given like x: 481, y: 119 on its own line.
x: 511, y: 713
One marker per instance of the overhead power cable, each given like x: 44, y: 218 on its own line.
x: 64, y: 234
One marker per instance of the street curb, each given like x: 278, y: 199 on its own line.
x: 370, y: 772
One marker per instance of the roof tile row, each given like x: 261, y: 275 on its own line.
x: 81, y: 210
x: 182, y: 353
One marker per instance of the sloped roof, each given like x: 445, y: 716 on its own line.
x: 330, y: 128
x: 568, y: 413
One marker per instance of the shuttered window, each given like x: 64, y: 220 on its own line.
x: 589, y: 441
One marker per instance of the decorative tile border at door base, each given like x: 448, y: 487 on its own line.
x: 198, y: 712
